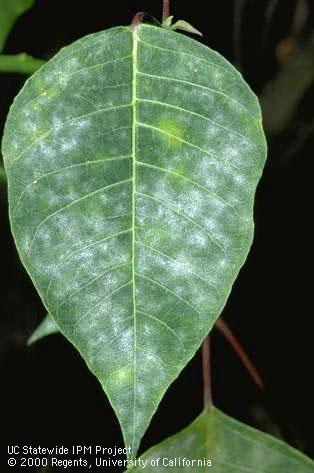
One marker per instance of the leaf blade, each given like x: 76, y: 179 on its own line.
x: 131, y: 196
x: 232, y: 447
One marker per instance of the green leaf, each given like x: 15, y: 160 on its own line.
x: 229, y: 445
x: 180, y: 25
x: 167, y: 22
x: 10, y: 10
x: 185, y: 26
x: 132, y: 160
x: 45, y: 328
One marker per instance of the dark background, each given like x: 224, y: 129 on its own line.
x: 48, y: 396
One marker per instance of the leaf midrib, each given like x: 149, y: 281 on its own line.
x: 135, y: 39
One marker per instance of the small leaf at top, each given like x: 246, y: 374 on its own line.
x: 132, y: 160
x: 185, y: 26
x: 167, y: 22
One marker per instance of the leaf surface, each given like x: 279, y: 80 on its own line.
x: 10, y: 10
x: 231, y: 446
x: 132, y: 160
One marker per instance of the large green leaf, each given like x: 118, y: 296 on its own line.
x: 132, y: 160
x: 10, y: 10
x: 227, y: 445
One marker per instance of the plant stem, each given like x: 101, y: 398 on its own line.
x: 20, y: 63
x: 165, y: 10
x: 137, y: 19
x: 225, y: 330
x: 237, y: 31
x: 208, y: 399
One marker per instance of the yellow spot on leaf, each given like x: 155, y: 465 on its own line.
x: 174, y: 131
x: 120, y: 378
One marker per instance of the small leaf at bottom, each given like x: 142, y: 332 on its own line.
x: 216, y: 443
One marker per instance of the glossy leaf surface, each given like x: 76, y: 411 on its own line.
x: 230, y: 446
x: 132, y: 160
x: 10, y: 10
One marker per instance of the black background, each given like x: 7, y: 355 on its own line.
x: 47, y: 395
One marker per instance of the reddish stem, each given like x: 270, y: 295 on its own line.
x: 137, y: 19
x: 225, y: 330
x: 208, y: 399
x: 165, y: 9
